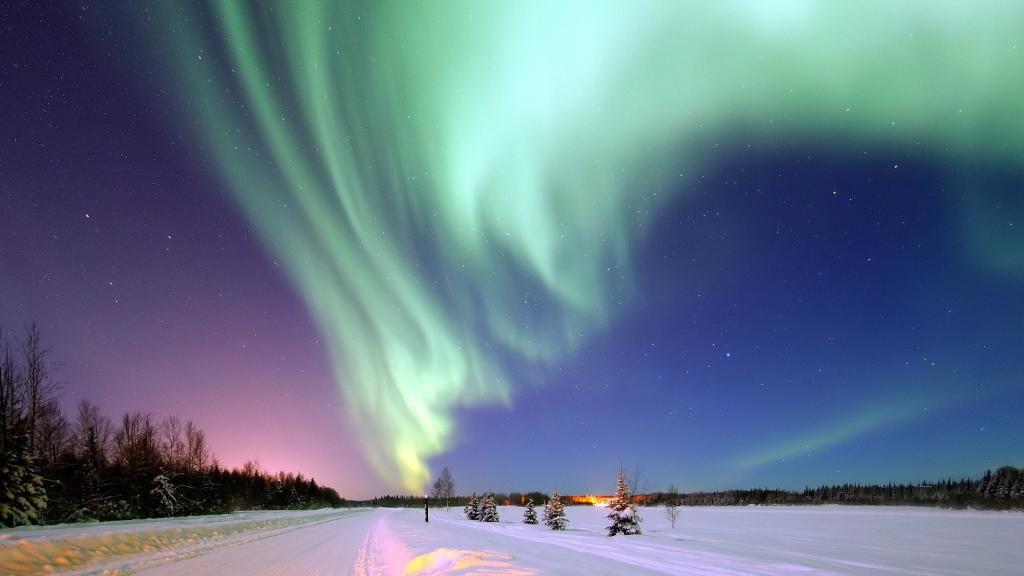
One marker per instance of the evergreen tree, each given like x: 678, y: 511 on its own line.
x: 554, y: 513
x: 165, y: 495
x: 530, y: 515
x: 623, y: 514
x: 1003, y: 487
x: 480, y: 506
x: 22, y: 495
x: 471, y: 508
x: 489, y: 509
x: 983, y: 484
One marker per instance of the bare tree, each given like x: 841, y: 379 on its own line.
x: 12, y: 396
x: 444, y: 487
x: 672, y: 504
x: 54, y: 433
x: 449, y: 487
x: 251, y: 482
x: 197, y: 454
x: 250, y: 469
x: 135, y: 439
x: 136, y: 453
x: 639, y: 486
x: 172, y: 444
x: 92, y: 445
x: 39, y: 388
x: 92, y: 433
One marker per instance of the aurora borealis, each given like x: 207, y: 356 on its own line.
x: 490, y: 209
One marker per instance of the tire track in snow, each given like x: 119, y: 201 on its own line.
x: 381, y: 553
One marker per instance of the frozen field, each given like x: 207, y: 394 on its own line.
x: 734, y: 541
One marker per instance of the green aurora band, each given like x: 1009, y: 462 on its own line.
x: 456, y: 187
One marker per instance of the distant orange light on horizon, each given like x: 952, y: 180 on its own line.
x: 590, y: 499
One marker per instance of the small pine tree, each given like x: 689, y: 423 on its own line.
x: 530, y: 515
x: 471, y: 508
x: 165, y: 494
x: 554, y: 513
x: 489, y: 509
x: 623, y: 515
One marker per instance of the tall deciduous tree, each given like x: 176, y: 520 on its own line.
x: 197, y: 458
x: 40, y: 389
x: 11, y: 396
x: 172, y: 443
x: 91, y: 447
x: 137, y: 456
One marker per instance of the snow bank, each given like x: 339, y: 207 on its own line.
x: 706, y: 541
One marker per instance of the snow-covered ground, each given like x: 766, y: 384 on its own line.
x: 734, y: 541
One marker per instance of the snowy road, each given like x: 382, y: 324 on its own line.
x: 730, y: 541
x: 330, y: 547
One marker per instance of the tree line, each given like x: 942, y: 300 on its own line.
x: 55, y: 468
x: 411, y: 501
x: 999, y: 490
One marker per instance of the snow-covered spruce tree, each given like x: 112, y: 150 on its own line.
x: 471, y: 508
x: 480, y: 506
x: 22, y: 495
x: 489, y: 509
x: 623, y: 514
x: 165, y: 494
x: 554, y: 513
x: 530, y: 515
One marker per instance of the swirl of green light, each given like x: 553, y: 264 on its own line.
x: 454, y: 186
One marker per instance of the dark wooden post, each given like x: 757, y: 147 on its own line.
x: 426, y: 510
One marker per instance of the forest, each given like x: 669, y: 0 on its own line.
x: 999, y: 490
x: 58, y: 468
x: 408, y: 501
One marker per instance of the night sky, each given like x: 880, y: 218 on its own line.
x: 735, y: 246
